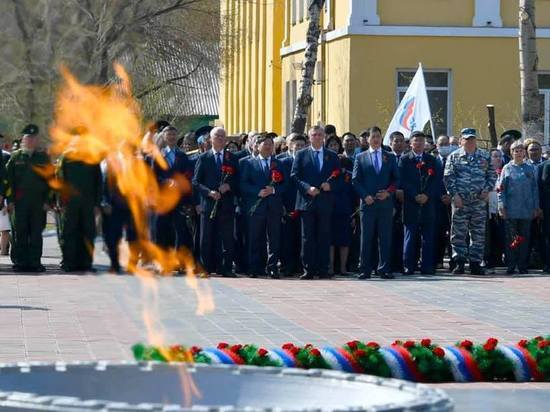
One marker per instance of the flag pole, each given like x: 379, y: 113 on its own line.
x: 431, y: 119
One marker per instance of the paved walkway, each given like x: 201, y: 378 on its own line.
x: 55, y: 316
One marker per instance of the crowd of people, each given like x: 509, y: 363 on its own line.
x: 315, y: 205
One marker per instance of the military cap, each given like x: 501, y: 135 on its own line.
x: 30, y: 130
x: 468, y: 133
x: 203, y: 130
x: 516, y: 134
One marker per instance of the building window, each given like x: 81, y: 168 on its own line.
x: 301, y: 8
x: 544, y: 89
x: 439, y: 96
x: 291, y: 91
x: 293, y: 5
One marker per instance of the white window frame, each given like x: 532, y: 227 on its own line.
x: 546, y: 94
x: 293, y: 4
x: 448, y: 89
x: 301, y: 9
x: 291, y: 89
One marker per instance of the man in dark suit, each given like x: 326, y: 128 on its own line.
x: 291, y: 244
x: 216, y: 179
x: 543, y: 173
x: 316, y: 173
x: 397, y: 143
x: 421, y: 183
x: 171, y: 228
x: 262, y: 185
x: 375, y: 179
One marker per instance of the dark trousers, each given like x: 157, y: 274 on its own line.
x: 355, y: 247
x: 241, y: 243
x: 536, y: 243
x: 113, y: 228
x: 518, y: 255
x: 78, y: 235
x: 172, y: 231
x: 495, y: 241
x: 443, y: 233
x: 398, y: 237
x: 290, y: 246
x: 220, y: 228
x: 546, y: 239
x: 29, y: 221
x: 264, y: 235
x: 316, y: 241
x: 419, y: 237
x: 376, y: 225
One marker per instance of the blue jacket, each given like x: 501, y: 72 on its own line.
x: 305, y: 174
x: 253, y: 178
x: 182, y: 166
x: 367, y: 182
x: 518, y: 191
x: 209, y: 177
x: 289, y: 196
x: 411, y: 180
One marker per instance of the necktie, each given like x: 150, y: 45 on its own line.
x: 316, y: 160
x: 170, y: 158
x: 266, y: 166
x: 219, y: 160
x: 376, y: 162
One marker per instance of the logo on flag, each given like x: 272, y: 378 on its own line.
x: 413, y: 111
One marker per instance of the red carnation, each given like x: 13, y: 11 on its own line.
x: 276, y: 176
x: 360, y: 353
x: 294, y: 350
x: 373, y: 345
x: 492, y: 341
x: 426, y: 342
x: 352, y: 344
x: 397, y: 342
x: 308, y: 346
x: 543, y: 344
x: 409, y: 344
x: 539, y: 338
x: 294, y: 214
x: 335, y: 173
x: 262, y: 352
x: 222, y: 345
x: 438, y: 352
x: 315, y: 352
x: 195, y: 350
x: 420, y: 165
x: 228, y: 170
x: 288, y: 346
x: 466, y: 344
x: 489, y: 346
x: 431, y: 172
x: 236, y: 348
x: 523, y: 343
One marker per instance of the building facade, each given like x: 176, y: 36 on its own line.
x: 369, y: 52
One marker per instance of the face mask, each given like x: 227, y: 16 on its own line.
x: 445, y: 150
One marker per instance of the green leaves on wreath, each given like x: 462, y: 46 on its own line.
x: 539, y: 348
x: 309, y: 357
x: 492, y: 363
x: 369, y: 357
x: 430, y: 360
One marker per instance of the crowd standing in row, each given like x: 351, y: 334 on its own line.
x: 316, y: 205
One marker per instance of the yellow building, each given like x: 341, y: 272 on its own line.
x: 368, y: 53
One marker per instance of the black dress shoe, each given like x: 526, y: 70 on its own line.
x: 274, y: 274
x: 408, y: 272
x: 546, y: 270
x: 510, y: 271
x: 37, y: 269
x: 324, y: 276
x: 476, y: 269
x: 428, y: 272
x: 306, y: 276
x: 364, y: 276
x: 459, y: 268
x: 523, y: 271
x: 229, y: 275
x: 387, y: 276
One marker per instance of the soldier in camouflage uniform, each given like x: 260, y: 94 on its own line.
x: 28, y: 197
x: 469, y: 177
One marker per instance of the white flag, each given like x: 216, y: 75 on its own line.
x: 414, y: 110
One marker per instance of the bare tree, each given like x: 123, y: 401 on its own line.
x: 532, y: 124
x: 88, y: 36
x: 305, y: 99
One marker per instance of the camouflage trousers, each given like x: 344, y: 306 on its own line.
x: 468, y: 222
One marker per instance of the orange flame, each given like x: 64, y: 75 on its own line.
x: 95, y: 123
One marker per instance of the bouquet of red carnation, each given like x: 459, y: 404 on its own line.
x: 518, y: 240
x: 276, y: 178
x: 227, y: 171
